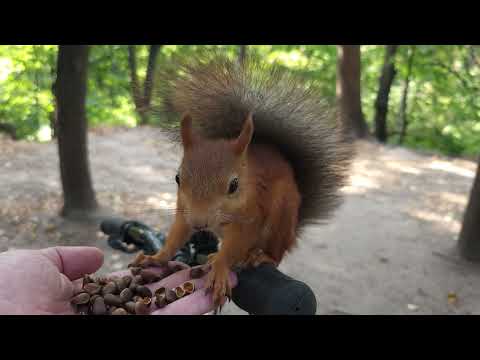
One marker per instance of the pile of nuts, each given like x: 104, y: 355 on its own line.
x: 128, y: 295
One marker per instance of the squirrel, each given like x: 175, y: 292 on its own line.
x: 263, y: 156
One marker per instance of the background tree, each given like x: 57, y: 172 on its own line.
x: 384, y: 85
x: 469, y: 239
x: 70, y: 89
x: 442, y: 112
x: 9, y: 129
x: 242, y: 53
x: 403, y: 103
x: 141, y: 98
x: 348, y: 88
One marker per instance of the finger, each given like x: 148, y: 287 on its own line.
x: 77, y: 285
x: 75, y: 261
x: 198, y: 303
x: 180, y: 277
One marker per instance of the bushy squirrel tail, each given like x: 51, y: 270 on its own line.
x: 288, y: 113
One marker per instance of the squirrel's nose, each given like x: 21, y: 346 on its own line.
x: 201, y: 227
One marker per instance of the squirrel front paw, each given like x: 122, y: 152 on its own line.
x: 218, y: 284
x: 158, y: 260
x: 257, y: 257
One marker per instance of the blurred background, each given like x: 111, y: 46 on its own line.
x: 80, y: 139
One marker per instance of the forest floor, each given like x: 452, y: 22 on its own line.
x: 390, y: 249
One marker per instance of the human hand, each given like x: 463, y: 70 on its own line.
x: 41, y: 282
x: 198, y: 303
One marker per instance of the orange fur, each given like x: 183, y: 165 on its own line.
x: 261, y: 215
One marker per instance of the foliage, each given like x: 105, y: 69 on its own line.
x: 443, y: 112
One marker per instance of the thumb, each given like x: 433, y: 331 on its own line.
x: 75, y: 261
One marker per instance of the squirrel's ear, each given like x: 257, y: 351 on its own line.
x: 245, y: 136
x: 186, y: 131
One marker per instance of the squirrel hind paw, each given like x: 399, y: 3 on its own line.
x: 256, y: 257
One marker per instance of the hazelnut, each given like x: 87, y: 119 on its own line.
x: 80, y: 299
x: 130, y: 307
x: 143, y: 291
x: 138, y: 280
x: 170, y: 296
x: 149, y: 276
x: 179, y: 292
x: 99, y: 307
x: 141, y: 308
x: 109, y: 288
x: 135, y: 270
x: 102, y: 281
x: 126, y: 295
x: 147, y: 300
x: 188, y: 287
x: 92, y: 288
x: 119, y: 311
x: 127, y: 280
x: 160, y: 291
x: 121, y: 285
x: 87, y: 279
x: 111, y: 309
x: 93, y: 298
x: 160, y: 301
x: 113, y: 300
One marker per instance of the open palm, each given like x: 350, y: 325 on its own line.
x: 37, y: 282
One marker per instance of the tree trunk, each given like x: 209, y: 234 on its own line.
x: 132, y: 63
x: 54, y: 114
x: 242, y: 53
x: 9, y: 129
x: 71, y: 89
x: 403, y: 103
x: 469, y: 239
x: 142, y: 101
x: 348, y: 89
x: 152, y: 61
x: 385, y: 83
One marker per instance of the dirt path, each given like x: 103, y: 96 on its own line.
x: 389, y: 250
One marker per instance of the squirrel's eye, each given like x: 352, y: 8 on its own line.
x: 233, y: 186
x: 177, y: 179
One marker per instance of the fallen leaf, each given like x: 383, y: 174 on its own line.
x: 452, y: 298
x: 50, y: 228
x: 412, y: 307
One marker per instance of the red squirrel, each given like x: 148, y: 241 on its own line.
x: 262, y: 158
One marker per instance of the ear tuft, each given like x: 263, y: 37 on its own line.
x: 243, y: 140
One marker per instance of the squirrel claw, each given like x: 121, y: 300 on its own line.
x: 145, y: 261
x: 218, y: 285
x: 138, y: 260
